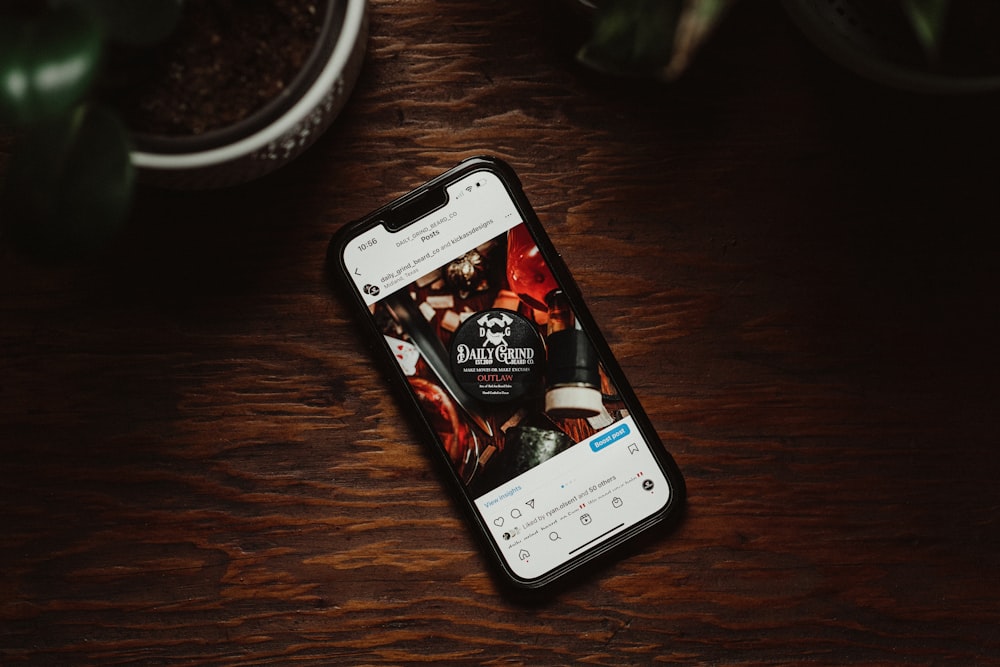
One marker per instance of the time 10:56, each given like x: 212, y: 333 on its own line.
x: 367, y: 244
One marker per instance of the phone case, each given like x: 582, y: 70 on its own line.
x: 501, y: 366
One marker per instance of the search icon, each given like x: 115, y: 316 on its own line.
x: 554, y: 536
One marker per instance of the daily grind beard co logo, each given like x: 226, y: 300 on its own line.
x: 497, y: 355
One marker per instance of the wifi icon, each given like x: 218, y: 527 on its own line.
x: 468, y: 189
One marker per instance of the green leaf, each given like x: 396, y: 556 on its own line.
x: 632, y: 36
x: 696, y: 24
x: 927, y: 18
x: 133, y: 22
x: 650, y: 37
x: 47, y: 64
x: 69, y: 184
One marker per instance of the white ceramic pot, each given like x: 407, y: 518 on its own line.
x: 276, y: 134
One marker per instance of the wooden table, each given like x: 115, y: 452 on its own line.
x: 799, y: 270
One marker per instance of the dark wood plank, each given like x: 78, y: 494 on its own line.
x: 200, y: 465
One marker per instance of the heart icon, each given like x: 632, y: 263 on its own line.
x: 498, y: 521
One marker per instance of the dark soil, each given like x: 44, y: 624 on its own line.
x: 225, y: 60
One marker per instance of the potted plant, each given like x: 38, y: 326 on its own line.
x: 928, y: 46
x: 92, y: 78
x: 922, y: 45
x: 651, y: 38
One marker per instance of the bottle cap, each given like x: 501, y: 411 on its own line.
x: 573, y: 402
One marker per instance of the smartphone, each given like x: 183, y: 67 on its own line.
x: 508, y: 376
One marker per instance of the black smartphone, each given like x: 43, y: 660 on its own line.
x: 506, y: 373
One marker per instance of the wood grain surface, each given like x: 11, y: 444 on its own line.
x: 199, y: 463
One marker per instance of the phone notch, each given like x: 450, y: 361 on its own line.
x: 419, y: 205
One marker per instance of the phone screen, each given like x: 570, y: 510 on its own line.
x: 509, y: 380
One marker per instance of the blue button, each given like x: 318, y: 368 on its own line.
x: 609, y: 437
